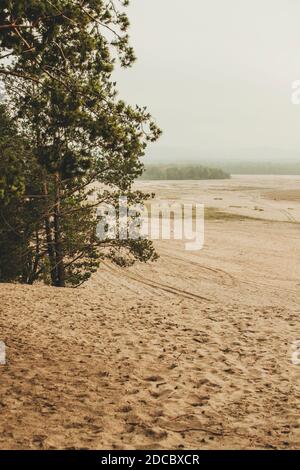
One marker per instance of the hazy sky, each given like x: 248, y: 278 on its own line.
x: 217, y: 74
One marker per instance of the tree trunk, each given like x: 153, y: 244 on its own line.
x: 34, y: 271
x: 50, y: 243
x: 59, y: 254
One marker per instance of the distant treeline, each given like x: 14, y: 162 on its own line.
x: 263, y: 168
x: 183, y: 172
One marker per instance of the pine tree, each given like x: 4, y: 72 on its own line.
x: 19, y: 216
x: 61, y: 90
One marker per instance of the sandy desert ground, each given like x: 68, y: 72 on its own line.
x: 193, y: 351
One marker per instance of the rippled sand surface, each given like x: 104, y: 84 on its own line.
x: 193, y: 351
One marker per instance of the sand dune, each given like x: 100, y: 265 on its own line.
x: 193, y: 351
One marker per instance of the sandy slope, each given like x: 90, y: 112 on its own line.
x: 193, y: 351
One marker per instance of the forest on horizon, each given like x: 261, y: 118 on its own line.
x: 183, y: 172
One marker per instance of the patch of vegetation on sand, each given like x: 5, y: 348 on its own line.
x: 212, y: 213
x: 292, y: 195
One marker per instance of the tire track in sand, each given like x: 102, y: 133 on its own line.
x: 157, y: 285
x: 226, y: 278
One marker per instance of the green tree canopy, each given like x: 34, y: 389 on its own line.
x: 83, y: 137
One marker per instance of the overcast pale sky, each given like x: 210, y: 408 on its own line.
x: 217, y: 74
